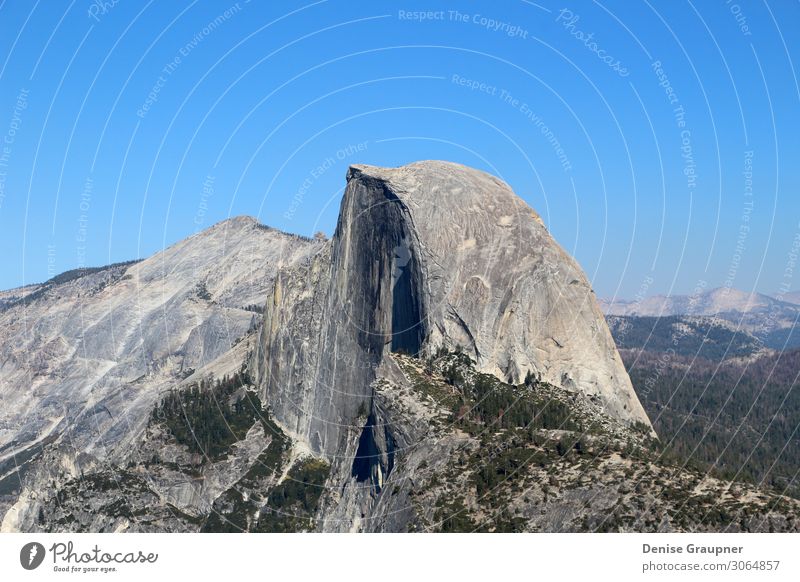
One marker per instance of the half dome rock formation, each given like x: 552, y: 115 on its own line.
x: 430, y: 255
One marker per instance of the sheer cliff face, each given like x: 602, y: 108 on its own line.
x: 425, y: 255
x: 329, y: 321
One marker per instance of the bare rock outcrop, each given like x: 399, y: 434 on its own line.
x: 85, y: 357
x: 427, y: 255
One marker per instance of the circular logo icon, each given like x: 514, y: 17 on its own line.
x: 31, y: 555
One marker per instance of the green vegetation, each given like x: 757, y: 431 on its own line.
x: 541, y: 443
x: 735, y: 418
x: 718, y: 412
x: 255, y: 503
x: 229, y: 514
x: 124, y: 494
x: 694, y: 337
x: 478, y: 401
x: 182, y: 515
x: 233, y: 511
x: 287, y: 234
x: 202, y: 292
x: 525, y: 429
x: 270, y: 461
x: 68, y: 276
x: 121, y: 480
x: 488, y: 401
x: 452, y: 517
x: 548, y: 445
x: 504, y: 467
x: 116, y: 270
x: 292, y: 504
x: 208, y: 419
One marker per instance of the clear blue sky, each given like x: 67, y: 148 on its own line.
x: 133, y: 125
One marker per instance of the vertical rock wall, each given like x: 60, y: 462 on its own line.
x: 425, y: 255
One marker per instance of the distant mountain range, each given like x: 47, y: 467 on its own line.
x: 774, y: 322
x: 793, y: 297
x: 715, y: 301
x: 683, y: 335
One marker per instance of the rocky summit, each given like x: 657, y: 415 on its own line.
x: 439, y: 364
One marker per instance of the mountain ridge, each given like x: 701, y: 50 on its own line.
x: 110, y: 340
x: 711, y: 302
x: 773, y: 322
x: 232, y: 222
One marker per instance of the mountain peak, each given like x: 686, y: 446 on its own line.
x: 427, y: 169
x: 240, y: 221
x: 770, y: 319
x: 431, y: 255
x: 451, y: 193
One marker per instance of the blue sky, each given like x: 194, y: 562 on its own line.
x: 127, y: 126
